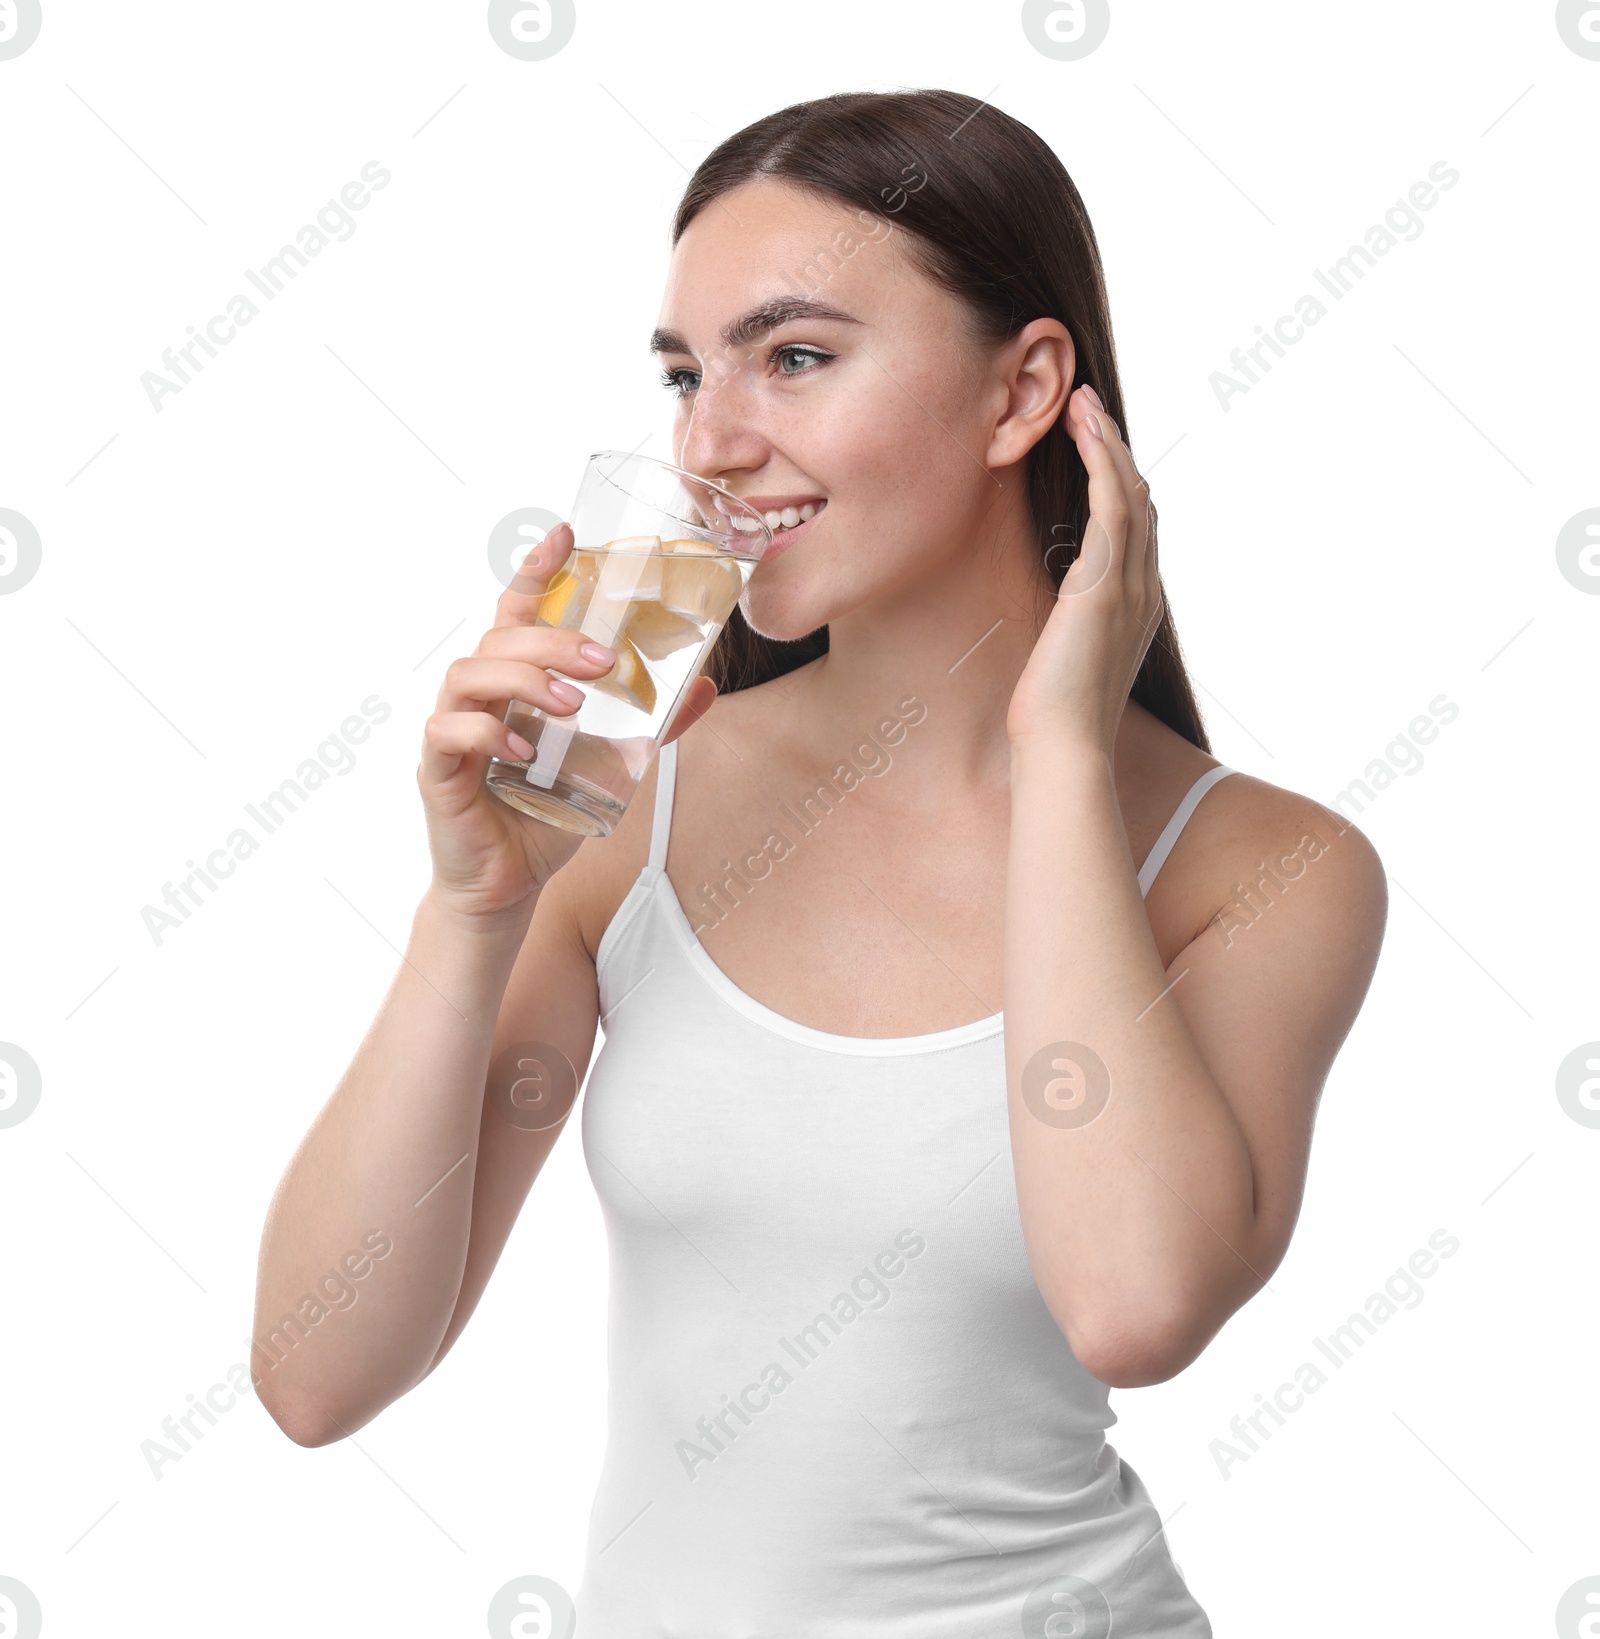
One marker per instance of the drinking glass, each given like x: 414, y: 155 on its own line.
x: 659, y: 559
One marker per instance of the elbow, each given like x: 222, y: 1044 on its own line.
x: 1121, y: 1368
x: 304, y: 1423
x: 1133, y: 1355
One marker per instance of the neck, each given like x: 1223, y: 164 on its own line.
x: 940, y: 650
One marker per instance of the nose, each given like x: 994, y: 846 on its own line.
x: 717, y: 436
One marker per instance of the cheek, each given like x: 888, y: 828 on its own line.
x: 916, y: 425
x: 918, y: 482
x: 874, y: 460
x: 902, y: 466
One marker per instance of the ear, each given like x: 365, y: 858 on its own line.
x: 1037, y: 366
x: 696, y: 703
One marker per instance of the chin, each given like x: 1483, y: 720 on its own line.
x: 781, y: 619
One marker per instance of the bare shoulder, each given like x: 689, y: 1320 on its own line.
x: 1251, y: 845
x: 741, y: 733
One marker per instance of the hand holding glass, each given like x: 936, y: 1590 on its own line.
x: 659, y: 559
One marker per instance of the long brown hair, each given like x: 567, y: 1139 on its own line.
x: 991, y: 216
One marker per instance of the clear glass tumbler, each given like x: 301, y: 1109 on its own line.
x: 659, y: 559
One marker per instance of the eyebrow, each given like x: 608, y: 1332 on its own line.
x: 756, y: 323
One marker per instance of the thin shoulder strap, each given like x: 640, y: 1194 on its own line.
x: 1175, y: 825
x: 666, y: 778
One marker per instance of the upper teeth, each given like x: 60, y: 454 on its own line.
x: 790, y: 516
x: 784, y: 518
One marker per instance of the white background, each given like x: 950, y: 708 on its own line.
x: 305, y: 525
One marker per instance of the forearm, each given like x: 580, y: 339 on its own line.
x: 393, y: 1152
x: 1134, y: 1182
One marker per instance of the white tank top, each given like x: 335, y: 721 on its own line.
x: 838, y: 1406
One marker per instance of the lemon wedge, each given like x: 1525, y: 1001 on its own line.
x: 699, y: 582
x: 629, y: 680
x: 559, y: 595
x: 657, y: 631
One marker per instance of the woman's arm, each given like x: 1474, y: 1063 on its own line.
x: 391, y: 1214
x: 1160, y: 1118
x: 399, y: 1157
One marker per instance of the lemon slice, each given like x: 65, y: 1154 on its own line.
x: 657, y: 631
x: 629, y: 680
x: 558, y: 597
x: 629, y: 572
x: 698, y: 582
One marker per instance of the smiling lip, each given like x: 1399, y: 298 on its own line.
x: 783, y: 537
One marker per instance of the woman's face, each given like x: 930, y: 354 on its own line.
x: 879, y: 407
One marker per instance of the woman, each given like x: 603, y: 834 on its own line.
x: 876, y: 1262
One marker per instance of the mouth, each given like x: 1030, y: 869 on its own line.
x: 787, y: 516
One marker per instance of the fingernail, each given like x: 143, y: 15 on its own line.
x: 519, y: 745
x: 565, y: 692
x: 1093, y: 424
x: 1093, y: 396
x: 598, y: 653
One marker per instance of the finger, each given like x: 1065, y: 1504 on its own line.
x: 1084, y: 404
x: 1105, y: 534
x: 482, y: 682
x: 553, y: 647
x: 519, y: 603
x: 450, y: 736
x: 696, y: 703
x: 1138, y: 566
x: 1152, y: 561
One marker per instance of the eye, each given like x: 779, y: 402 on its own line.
x: 673, y: 378
x: 801, y: 353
